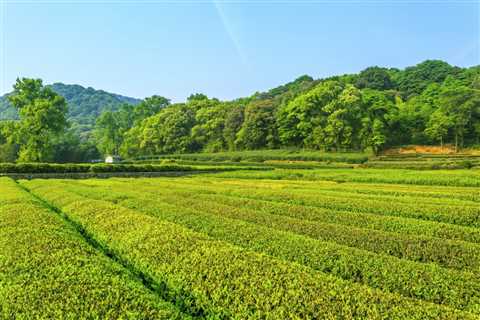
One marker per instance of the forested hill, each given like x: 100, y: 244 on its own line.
x: 430, y: 103
x: 84, y: 104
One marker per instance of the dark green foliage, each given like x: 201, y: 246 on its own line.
x: 84, y: 168
x: 378, y: 108
x: 266, y: 155
x: 413, y: 80
x: 375, y: 78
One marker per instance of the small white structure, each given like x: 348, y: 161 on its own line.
x: 112, y: 159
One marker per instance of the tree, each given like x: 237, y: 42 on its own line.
x: 379, y: 109
x: 8, y: 148
x: 259, y: 128
x: 108, y: 133
x: 459, y: 103
x: 42, y: 117
x: 232, y: 125
x: 413, y: 80
x: 207, y: 134
x: 375, y: 78
x: 149, y: 107
x: 438, y: 126
x: 298, y: 120
x: 169, y: 131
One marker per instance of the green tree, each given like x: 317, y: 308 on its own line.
x: 438, y: 126
x: 413, y: 80
x: 233, y: 123
x: 298, y: 120
x: 149, y: 107
x: 42, y: 118
x: 108, y: 133
x: 207, y: 134
x: 259, y: 127
x: 169, y: 131
x: 379, y: 110
x: 375, y: 78
x: 461, y: 104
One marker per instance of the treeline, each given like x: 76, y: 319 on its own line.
x: 430, y: 103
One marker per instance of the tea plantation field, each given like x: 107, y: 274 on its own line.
x: 278, y: 244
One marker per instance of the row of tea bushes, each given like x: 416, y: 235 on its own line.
x: 49, y: 271
x: 417, y: 280
x: 221, y: 280
x: 6, y: 168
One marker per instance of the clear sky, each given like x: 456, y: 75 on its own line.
x: 225, y: 49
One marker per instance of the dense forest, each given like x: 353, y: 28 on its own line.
x: 430, y: 103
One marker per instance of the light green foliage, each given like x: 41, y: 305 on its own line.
x: 218, y: 279
x: 49, y: 271
x: 269, y: 227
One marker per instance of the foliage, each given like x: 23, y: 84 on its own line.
x: 375, y: 78
x: 42, y: 118
x: 49, y: 270
x: 217, y: 279
x: 378, y: 108
x: 257, y: 225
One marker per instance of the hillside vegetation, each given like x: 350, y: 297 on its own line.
x: 431, y: 103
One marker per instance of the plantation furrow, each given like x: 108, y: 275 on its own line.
x: 49, y: 271
x: 451, y: 254
x: 228, y: 282
x: 459, y: 289
x: 355, y: 219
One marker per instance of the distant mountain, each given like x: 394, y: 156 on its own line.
x: 84, y: 104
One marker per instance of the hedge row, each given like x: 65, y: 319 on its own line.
x: 86, y: 168
x: 222, y: 281
x: 417, y: 280
x: 265, y: 155
x: 48, y: 271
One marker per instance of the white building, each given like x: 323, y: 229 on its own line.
x: 112, y: 159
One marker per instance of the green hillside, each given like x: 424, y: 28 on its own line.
x: 84, y: 104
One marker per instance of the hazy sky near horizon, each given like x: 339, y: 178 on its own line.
x: 225, y: 49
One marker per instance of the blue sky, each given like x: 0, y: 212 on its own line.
x: 225, y: 49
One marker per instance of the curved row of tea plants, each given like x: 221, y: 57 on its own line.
x: 423, y: 281
x: 48, y: 271
x: 224, y: 281
x: 458, y: 178
x: 462, y: 215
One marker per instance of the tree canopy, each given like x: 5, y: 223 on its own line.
x: 430, y: 103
